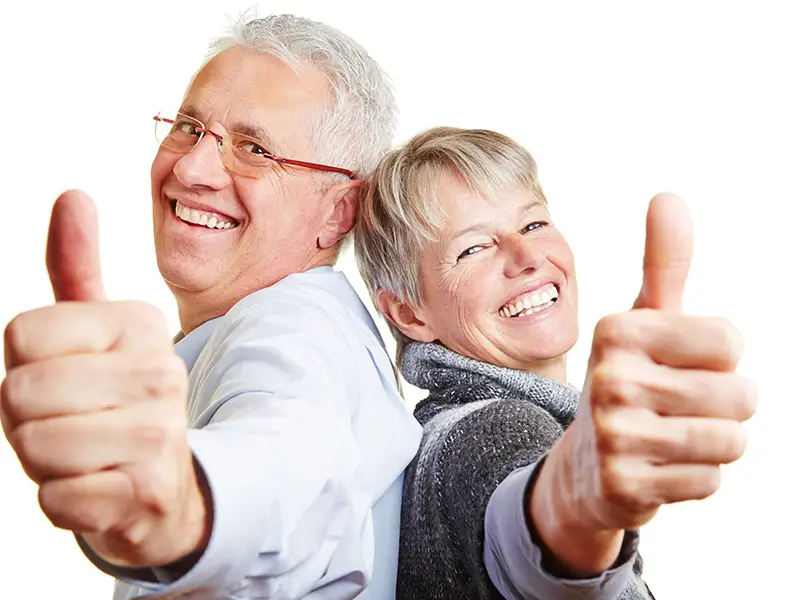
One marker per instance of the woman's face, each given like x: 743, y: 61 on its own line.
x: 499, y: 285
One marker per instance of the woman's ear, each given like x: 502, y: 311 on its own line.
x: 408, y: 319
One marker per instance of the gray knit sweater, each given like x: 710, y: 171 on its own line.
x: 481, y: 422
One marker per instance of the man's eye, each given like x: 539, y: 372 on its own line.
x: 186, y: 127
x: 253, y: 148
x: 470, y: 251
x: 533, y: 226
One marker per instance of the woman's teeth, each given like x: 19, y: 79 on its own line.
x: 199, y: 217
x: 532, y: 302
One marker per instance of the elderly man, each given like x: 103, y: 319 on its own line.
x: 285, y: 486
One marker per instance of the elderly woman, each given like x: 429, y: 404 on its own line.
x: 457, y: 246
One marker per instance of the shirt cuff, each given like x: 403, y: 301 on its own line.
x: 514, y: 557
x: 232, y: 548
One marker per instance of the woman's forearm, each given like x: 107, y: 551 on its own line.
x: 580, y: 547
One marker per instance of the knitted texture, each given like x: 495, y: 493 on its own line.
x: 481, y: 422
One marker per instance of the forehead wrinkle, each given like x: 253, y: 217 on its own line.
x: 252, y: 84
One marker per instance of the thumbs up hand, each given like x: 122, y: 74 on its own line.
x: 94, y: 405
x: 661, y: 409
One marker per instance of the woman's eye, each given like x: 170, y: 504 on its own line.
x: 470, y: 251
x: 533, y: 226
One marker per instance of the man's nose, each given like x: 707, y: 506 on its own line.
x: 202, y: 167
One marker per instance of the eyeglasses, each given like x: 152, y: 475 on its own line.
x: 241, y: 155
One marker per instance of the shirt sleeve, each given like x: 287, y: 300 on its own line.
x: 291, y: 497
x: 514, y: 557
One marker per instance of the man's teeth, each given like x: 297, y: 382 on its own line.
x: 531, y: 302
x: 199, y: 217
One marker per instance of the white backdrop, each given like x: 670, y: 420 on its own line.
x: 616, y: 102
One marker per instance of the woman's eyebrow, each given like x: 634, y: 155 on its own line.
x: 481, y: 226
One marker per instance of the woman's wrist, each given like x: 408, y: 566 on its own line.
x: 575, y: 540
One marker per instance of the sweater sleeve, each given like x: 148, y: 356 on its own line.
x: 475, y: 456
x: 515, y: 559
x: 466, y: 452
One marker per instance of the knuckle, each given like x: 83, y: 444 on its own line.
x: 161, y: 429
x: 154, y: 488
x: 731, y: 340
x: 618, y: 486
x: 53, y: 504
x: 14, y: 335
x: 692, y: 434
x: 611, y: 437
x: 156, y: 499
x: 163, y: 376
x: 144, y: 316
x: 26, y: 441
x: 14, y: 391
x: 50, y: 501
x: 611, y: 384
x: 749, y: 397
x: 709, y: 483
x: 150, y: 436
x: 66, y: 508
x: 614, y: 330
x: 734, y: 442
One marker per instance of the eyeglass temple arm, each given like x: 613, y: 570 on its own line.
x: 310, y: 165
x: 280, y: 159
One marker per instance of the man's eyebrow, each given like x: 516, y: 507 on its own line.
x: 190, y: 111
x: 248, y: 129
x: 257, y: 132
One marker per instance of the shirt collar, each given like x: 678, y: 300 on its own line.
x: 189, y: 347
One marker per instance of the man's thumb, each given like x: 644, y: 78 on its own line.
x: 73, y: 253
x: 667, y: 254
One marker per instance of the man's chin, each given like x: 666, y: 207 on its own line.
x: 184, y: 276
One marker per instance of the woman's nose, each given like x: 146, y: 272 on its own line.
x: 524, y: 255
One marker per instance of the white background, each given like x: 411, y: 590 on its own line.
x: 616, y: 102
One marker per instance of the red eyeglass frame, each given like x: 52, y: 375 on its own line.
x: 274, y: 157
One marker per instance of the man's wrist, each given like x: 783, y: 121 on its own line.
x: 194, y: 524
x: 174, y: 541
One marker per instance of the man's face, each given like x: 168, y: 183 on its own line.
x: 251, y: 232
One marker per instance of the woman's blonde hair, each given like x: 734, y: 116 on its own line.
x: 400, y: 211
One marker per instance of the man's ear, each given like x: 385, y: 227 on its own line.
x: 343, y: 200
x: 408, y: 319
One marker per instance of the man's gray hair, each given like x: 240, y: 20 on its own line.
x: 358, y: 127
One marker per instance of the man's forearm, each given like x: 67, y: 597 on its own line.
x: 580, y: 548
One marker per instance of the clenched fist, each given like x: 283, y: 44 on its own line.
x: 661, y: 408
x: 94, y: 405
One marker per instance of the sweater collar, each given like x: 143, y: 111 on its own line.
x: 458, y: 379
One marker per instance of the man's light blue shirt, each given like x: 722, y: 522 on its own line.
x: 298, y: 427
